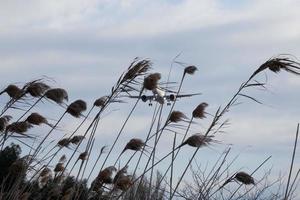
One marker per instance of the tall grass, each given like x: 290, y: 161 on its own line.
x: 46, y: 169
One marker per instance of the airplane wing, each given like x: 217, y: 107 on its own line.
x: 188, y: 95
x: 144, y: 98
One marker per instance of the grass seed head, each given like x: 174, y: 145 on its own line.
x: 244, y: 178
x: 36, y: 119
x: 14, y: 91
x: 121, y: 173
x: 134, y: 144
x: 124, y: 183
x: 57, y: 95
x: 37, y: 89
x: 45, y: 172
x: 136, y: 69
x: 19, y: 127
x: 59, y: 167
x: 76, y: 139
x: 280, y: 63
x: 44, y: 180
x: 4, y: 120
x: 198, y: 140
x: 200, y: 111
x: 176, y: 116
x: 105, y: 176
x: 190, y: 70
x: 63, y: 159
x: 83, y: 156
x: 76, y: 108
x: 64, y: 142
x: 101, y: 101
x: 151, y: 81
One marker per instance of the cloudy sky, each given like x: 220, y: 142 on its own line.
x: 85, y: 45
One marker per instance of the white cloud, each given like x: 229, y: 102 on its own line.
x: 148, y: 18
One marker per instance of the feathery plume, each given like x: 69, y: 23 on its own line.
x: 83, y: 156
x: 101, y: 101
x: 121, y: 173
x: 278, y: 64
x: 151, y: 81
x: 190, y: 70
x: 45, y: 172
x: 134, y: 144
x: 13, y: 91
x: 63, y: 159
x: 197, y: 140
x: 136, y: 69
x: 200, y: 111
x: 37, y: 89
x: 76, y: 139
x: 63, y: 142
x: 244, y: 178
x: 124, y: 183
x: 4, y: 122
x: 176, y: 116
x: 57, y: 95
x: 105, y: 176
x: 19, y: 127
x: 76, y: 108
x: 36, y: 119
x: 59, y: 167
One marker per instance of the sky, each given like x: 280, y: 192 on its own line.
x: 86, y: 45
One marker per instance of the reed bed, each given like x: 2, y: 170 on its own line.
x: 62, y: 167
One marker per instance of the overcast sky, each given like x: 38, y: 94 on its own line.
x: 85, y: 45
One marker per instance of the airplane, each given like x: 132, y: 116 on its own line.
x: 160, y: 96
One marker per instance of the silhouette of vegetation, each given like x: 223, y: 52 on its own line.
x: 63, y: 168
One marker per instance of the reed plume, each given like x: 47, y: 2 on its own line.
x: 58, y: 95
x: 13, y: 91
x: 64, y: 142
x: 190, y: 70
x: 101, y: 101
x: 199, y: 111
x: 176, y: 116
x: 4, y: 120
x: 76, y: 108
x: 19, y: 127
x: 124, y: 183
x: 76, y: 139
x: 151, y: 81
x: 134, y: 145
x: 37, y: 119
x: 37, y: 89
x: 137, y: 68
x: 279, y: 63
x: 198, y: 141
x: 244, y: 178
